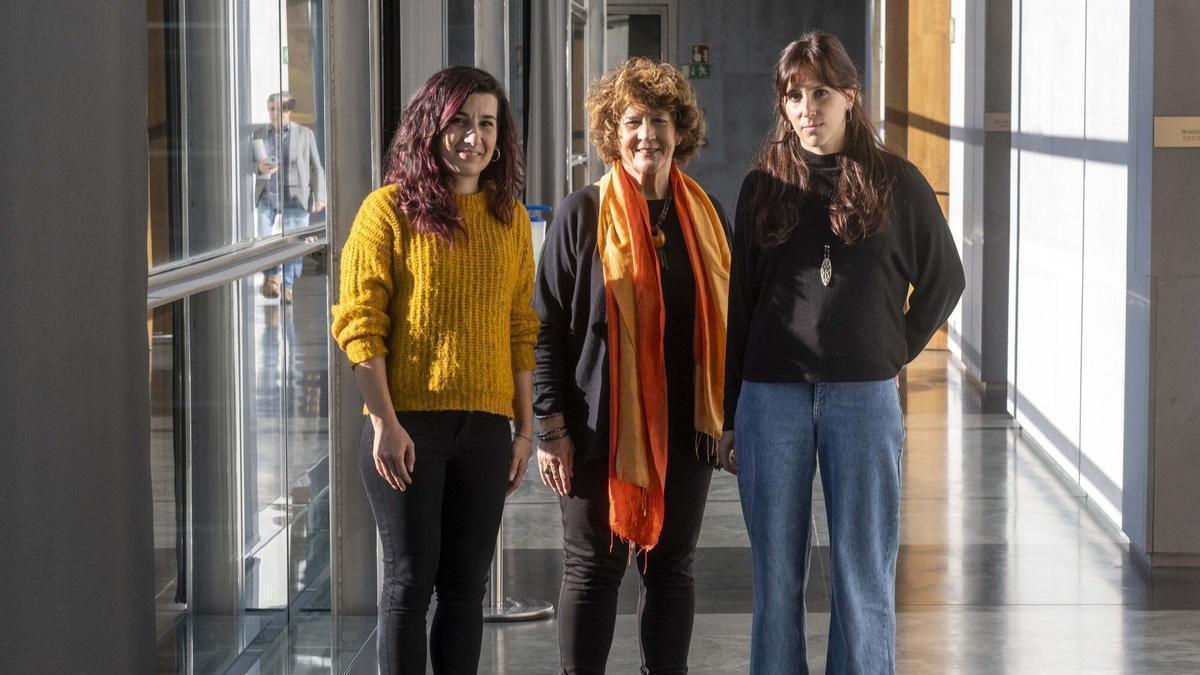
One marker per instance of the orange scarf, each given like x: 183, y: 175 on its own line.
x: 637, y: 458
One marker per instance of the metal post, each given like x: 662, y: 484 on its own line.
x: 501, y: 608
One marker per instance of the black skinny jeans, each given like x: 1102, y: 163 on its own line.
x: 594, y: 563
x: 439, y: 534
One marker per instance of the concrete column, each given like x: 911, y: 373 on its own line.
x: 355, y: 154
x: 997, y: 143
x: 981, y: 87
x: 1174, y: 538
x: 76, y: 575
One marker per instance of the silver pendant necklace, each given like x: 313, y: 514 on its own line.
x: 826, y: 268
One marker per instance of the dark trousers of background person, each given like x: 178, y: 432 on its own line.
x: 438, y: 534
x: 594, y: 563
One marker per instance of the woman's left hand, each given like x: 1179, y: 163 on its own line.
x: 726, y: 452
x: 522, y: 447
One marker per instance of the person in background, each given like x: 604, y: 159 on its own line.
x: 631, y: 291
x: 831, y: 230
x: 434, y: 312
x: 294, y: 195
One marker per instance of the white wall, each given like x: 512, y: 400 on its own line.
x: 1070, y: 178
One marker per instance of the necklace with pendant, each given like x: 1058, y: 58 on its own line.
x: 659, y: 237
x: 826, y: 268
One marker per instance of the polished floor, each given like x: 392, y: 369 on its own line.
x: 1004, y: 568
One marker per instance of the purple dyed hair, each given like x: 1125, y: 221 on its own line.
x: 413, y: 164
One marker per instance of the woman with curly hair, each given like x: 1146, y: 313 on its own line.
x: 631, y: 291
x: 436, y: 285
x: 832, y: 230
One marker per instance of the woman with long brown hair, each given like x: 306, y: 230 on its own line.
x: 435, y: 313
x: 831, y: 231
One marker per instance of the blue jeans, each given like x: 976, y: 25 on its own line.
x: 294, y: 218
x: 854, y: 433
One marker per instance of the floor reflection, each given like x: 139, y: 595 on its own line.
x: 1004, y: 567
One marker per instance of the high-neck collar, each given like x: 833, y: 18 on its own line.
x: 474, y: 200
x: 829, y: 161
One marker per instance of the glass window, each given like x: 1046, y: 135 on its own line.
x: 240, y: 460
x: 460, y: 32
x: 306, y: 438
x: 167, y: 464
x: 238, y: 374
x: 284, y: 374
x: 235, y: 123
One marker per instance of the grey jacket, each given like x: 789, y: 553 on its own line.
x: 304, y: 174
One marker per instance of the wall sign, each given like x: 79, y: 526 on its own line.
x: 699, y: 68
x: 1177, y: 132
x: 997, y: 121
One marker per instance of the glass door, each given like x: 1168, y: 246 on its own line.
x: 628, y: 35
x: 637, y: 29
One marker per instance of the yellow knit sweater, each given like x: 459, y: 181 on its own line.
x: 454, y: 323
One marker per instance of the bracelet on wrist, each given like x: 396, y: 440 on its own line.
x: 521, y: 435
x: 552, y: 434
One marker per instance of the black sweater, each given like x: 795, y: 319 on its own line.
x: 786, y: 326
x: 571, y: 375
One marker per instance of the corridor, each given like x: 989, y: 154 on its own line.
x: 1004, y: 568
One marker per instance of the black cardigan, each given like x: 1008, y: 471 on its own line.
x: 571, y: 374
x: 786, y: 326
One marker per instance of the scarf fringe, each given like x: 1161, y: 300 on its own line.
x: 632, y: 551
x: 706, y: 444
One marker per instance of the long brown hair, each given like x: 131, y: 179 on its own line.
x: 860, y: 206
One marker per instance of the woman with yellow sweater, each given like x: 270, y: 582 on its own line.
x: 436, y: 285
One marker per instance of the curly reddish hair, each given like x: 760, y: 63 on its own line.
x: 643, y: 83
x: 414, y: 166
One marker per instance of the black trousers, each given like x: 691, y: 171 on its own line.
x: 594, y: 563
x: 438, y: 534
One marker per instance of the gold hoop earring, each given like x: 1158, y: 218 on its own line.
x: 496, y: 156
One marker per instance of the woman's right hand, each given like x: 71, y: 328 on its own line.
x: 556, y: 464
x: 394, y: 453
